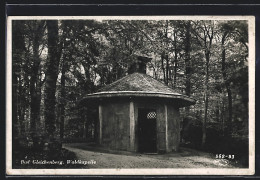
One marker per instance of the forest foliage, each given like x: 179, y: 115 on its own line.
x: 58, y: 62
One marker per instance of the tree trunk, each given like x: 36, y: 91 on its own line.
x: 51, y: 75
x: 223, y: 117
x: 175, y: 60
x: 175, y: 73
x: 15, y: 128
x: 230, y: 109
x: 167, y: 69
x: 86, y: 122
x: 62, y: 97
x: 22, y: 106
x: 227, y: 85
x: 166, y: 56
x: 217, y: 111
x: 18, y: 48
x: 187, y: 60
x: 204, y: 123
x: 187, y: 63
x: 34, y: 81
x: 33, y: 104
x: 162, y: 61
x: 96, y: 127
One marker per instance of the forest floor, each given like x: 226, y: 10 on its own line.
x: 186, y: 158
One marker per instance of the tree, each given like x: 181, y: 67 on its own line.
x: 226, y: 29
x: 187, y: 58
x: 52, y: 65
x: 36, y: 30
x: 231, y: 31
x: 204, y: 33
x: 18, y: 46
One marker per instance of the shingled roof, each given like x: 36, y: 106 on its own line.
x: 140, y: 85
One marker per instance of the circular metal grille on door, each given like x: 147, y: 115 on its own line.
x: 151, y: 115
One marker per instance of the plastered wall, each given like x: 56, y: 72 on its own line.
x: 115, y: 125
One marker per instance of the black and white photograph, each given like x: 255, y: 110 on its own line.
x: 130, y: 95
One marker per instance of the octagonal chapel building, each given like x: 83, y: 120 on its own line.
x: 138, y: 113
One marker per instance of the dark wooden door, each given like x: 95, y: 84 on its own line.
x: 147, y: 130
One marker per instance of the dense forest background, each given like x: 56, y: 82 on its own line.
x: 58, y: 62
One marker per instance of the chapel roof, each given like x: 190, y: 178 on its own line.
x: 140, y: 85
x: 138, y: 82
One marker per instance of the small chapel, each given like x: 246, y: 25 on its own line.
x: 138, y: 113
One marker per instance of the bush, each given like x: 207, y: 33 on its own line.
x: 216, y: 142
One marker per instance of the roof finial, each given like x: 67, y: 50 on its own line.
x: 139, y: 65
